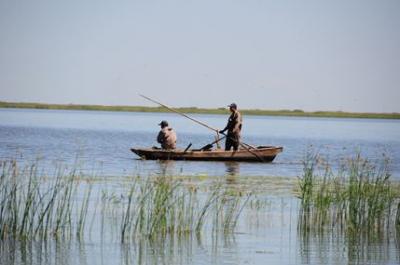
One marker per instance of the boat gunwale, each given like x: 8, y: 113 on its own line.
x: 263, y: 154
x: 215, y: 151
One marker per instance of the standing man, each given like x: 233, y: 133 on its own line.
x: 167, y: 136
x: 234, y: 127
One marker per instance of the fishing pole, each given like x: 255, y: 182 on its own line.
x: 180, y: 113
x: 244, y: 145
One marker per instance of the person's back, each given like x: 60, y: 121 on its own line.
x: 167, y: 136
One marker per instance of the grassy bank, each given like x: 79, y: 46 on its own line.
x: 297, y: 113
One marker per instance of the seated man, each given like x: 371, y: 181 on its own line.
x: 167, y: 136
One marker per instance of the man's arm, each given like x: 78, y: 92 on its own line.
x: 223, y: 130
x: 228, y: 124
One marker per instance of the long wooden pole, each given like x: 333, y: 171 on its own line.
x: 180, y: 113
x: 201, y: 123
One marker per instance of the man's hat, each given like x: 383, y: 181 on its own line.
x: 163, y: 123
x: 233, y: 105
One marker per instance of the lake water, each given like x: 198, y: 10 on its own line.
x: 98, y: 143
x: 101, y: 140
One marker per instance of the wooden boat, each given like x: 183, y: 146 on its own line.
x: 259, y: 154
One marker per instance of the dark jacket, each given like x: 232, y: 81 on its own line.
x: 234, y: 125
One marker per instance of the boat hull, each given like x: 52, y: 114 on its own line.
x: 259, y: 154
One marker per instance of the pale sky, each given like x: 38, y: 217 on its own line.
x: 310, y: 55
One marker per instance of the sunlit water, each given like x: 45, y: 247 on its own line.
x: 102, y: 140
x: 99, y: 143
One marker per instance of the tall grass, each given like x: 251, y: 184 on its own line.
x: 33, y: 205
x: 358, y: 199
x: 163, y: 206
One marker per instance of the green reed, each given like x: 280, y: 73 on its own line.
x: 359, y: 198
x: 82, y: 216
x: 398, y: 217
x: 34, y: 205
x: 162, y: 206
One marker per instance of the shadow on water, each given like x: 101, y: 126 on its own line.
x: 42, y: 252
x: 171, y: 167
x: 232, y: 172
x: 162, y: 250
x: 170, y: 250
x: 166, y: 167
x: 315, y: 248
x: 232, y: 168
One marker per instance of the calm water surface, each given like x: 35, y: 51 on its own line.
x: 99, y: 143
x: 101, y: 140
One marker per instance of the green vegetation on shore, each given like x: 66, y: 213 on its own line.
x: 298, y: 113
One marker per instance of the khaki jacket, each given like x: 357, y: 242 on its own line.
x: 167, y: 138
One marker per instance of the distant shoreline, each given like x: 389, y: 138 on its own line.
x: 259, y: 112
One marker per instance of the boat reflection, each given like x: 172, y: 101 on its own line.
x: 166, y: 167
x: 232, y: 171
x: 232, y: 168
